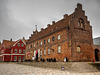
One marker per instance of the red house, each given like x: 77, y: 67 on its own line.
x: 12, y: 50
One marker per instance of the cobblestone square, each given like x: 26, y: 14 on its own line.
x: 17, y: 69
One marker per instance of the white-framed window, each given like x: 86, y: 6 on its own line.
x: 48, y: 50
x: 20, y: 50
x: 48, y: 40
x: 58, y: 37
x: 41, y: 42
x: 34, y: 45
x: 15, y: 58
x: 22, y: 45
x: 15, y: 50
x: 29, y: 47
x: 78, y: 49
x: 44, y: 52
x: 19, y: 58
x: 23, y: 58
x: 59, y: 49
x: 23, y: 51
x: 41, y: 52
x: 18, y: 44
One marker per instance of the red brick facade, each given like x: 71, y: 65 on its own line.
x: 70, y: 37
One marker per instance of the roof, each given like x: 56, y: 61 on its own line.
x: 51, y: 28
x: 8, y: 43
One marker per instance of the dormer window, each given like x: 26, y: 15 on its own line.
x: 81, y: 23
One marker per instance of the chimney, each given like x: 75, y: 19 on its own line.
x: 53, y: 22
x: 65, y: 16
x: 11, y: 39
x: 23, y: 38
x: 48, y: 25
x: 42, y: 29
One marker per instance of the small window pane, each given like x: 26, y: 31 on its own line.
x: 41, y: 52
x: 18, y: 44
x: 23, y: 51
x: 19, y: 58
x: 15, y: 50
x: 58, y: 37
x: 41, y: 42
x: 48, y: 40
x: 22, y: 45
x: 59, y: 49
x: 78, y: 49
x: 53, y: 38
x: 44, y: 41
x: 49, y: 51
x: 19, y: 50
x: 15, y: 58
x: 44, y: 51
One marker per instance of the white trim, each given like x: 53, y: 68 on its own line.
x: 17, y: 54
x: 0, y: 55
x: 12, y: 54
x: 18, y: 41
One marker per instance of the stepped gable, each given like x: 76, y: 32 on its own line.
x: 51, y: 28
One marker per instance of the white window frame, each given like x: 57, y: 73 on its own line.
x: 23, y: 58
x: 44, y: 52
x: 20, y: 51
x: 59, y: 49
x: 20, y: 58
x: 18, y: 44
x: 15, y: 58
x: 23, y: 51
x: 48, y: 51
x: 48, y: 40
x: 22, y: 45
x: 16, y: 51
x: 59, y: 37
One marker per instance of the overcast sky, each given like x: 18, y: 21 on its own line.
x: 19, y: 17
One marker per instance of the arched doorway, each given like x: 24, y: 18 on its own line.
x: 96, y: 54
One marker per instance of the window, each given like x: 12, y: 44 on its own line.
x: 15, y: 58
x: 15, y: 50
x: 37, y: 43
x: 78, y: 49
x: 48, y: 40
x: 23, y: 51
x: 19, y: 59
x: 58, y: 37
x: 34, y: 45
x: 41, y: 52
x: 18, y: 44
x: 22, y: 45
x: 41, y: 42
x: 44, y: 51
x: 53, y: 38
x: 59, y: 49
x: 31, y: 46
x: 19, y: 50
x: 44, y: 41
x: 23, y: 58
x: 48, y: 50
x: 81, y: 23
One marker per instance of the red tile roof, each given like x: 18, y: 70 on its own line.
x: 8, y: 43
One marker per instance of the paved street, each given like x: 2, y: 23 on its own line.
x: 17, y: 69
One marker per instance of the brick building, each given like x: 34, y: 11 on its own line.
x: 70, y: 37
x: 12, y: 50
